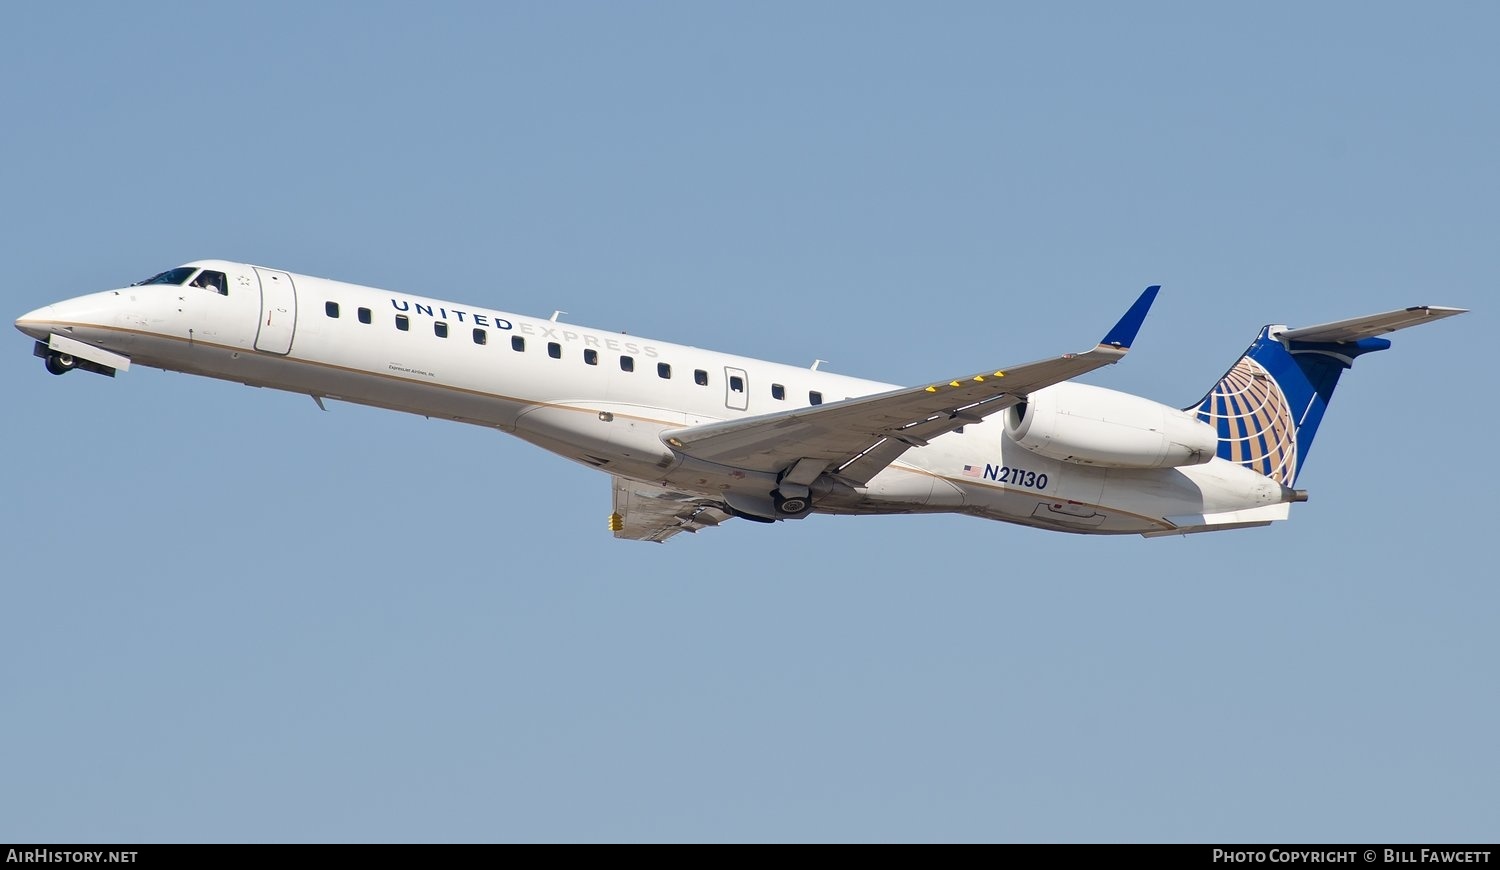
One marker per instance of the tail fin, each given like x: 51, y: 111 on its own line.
x: 1268, y: 407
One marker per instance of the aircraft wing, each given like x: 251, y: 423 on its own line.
x: 858, y: 437
x: 645, y: 512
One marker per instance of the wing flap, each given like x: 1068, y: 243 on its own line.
x: 859, y: 437
x: 646, y: 512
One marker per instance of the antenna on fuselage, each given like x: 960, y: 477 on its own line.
x: 818, y: 362
x: 555, y: 315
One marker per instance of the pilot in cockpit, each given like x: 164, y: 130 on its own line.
x: 210, y: 280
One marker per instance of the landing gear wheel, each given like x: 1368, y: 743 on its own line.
x: 791, y: 508
x: 60, y: 363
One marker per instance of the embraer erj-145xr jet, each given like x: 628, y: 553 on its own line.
x: 693, y: 438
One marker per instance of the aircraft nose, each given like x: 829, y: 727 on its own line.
x: 33, y: 323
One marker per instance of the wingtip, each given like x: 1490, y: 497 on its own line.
x: 1124, y: 332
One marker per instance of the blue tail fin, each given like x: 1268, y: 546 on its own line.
x: 1268, y: 407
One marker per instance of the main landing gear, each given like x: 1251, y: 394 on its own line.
x: 791, y: 507
x: 760, y: 509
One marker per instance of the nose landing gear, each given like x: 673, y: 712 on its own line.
x: 60, y: 363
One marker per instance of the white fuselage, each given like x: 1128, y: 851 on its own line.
x: 567, y: 388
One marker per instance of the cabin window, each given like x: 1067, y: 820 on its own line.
x: 215, y: 281
x: 517, y: 343
x: 814, y: 397
x: 736, y: 384
x: 331, y: 309
x: 402, y: 323
x: 627, y: 363
x: 778, y: 392
x: 700, y: 377
x: 481, y: 337
x: 664, y: 371
x: 440, y: 329
x: 364, y: 315
x: 591, y: 356
x: 554, y: 350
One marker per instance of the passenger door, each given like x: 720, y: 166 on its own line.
x: 278, y: 312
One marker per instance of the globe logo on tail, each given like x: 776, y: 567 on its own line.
x: 1249, y: 411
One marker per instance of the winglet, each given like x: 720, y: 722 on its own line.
x: 1124, y: 332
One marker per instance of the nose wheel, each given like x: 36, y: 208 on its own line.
x: 60, y: 363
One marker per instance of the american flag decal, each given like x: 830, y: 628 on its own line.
x: 973, y: 471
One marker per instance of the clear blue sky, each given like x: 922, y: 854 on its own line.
x: 229, y: 616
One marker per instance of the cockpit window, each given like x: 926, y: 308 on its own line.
x: 171, y: 276
x: 211, y: 280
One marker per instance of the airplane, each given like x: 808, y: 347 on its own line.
x: 693, y: 438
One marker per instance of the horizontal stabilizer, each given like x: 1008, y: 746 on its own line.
x: 1370, y: 325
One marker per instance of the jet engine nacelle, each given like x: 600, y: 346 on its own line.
x: 1095, y: 426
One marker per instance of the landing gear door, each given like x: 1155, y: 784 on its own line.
x: 736, y: 389
x: 278, y: 312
